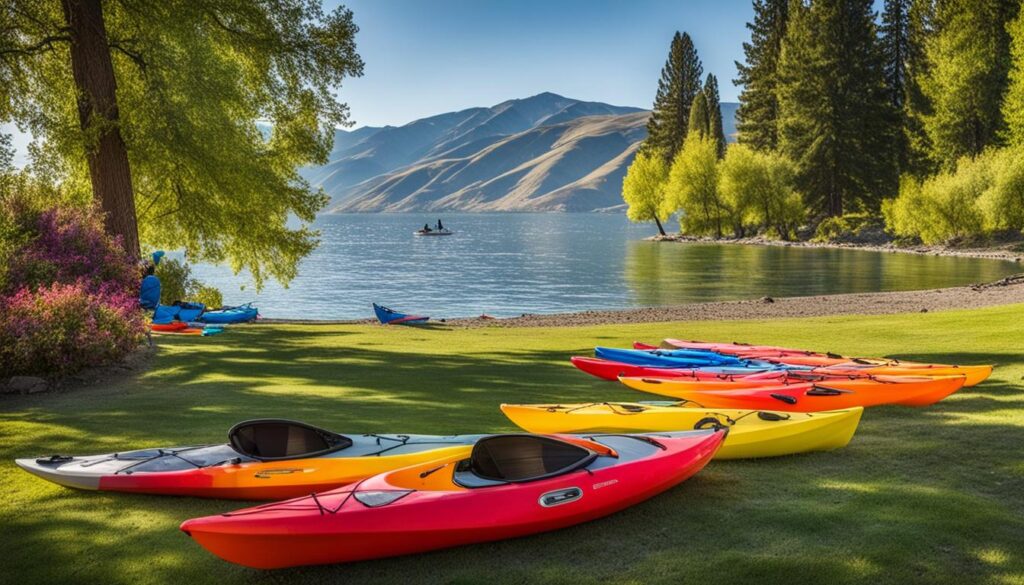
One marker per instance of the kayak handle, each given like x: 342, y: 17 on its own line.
x: 559, y: 497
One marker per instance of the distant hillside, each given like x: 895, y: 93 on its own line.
x: 542, y: 153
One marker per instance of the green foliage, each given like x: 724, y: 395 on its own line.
x: 1002, y: 204
x: 193, y: 79
x: 679, y: 84
x: 942, y: 207
x: 1013, y: 102
x: 917, y: 156
x: 177, y: 284
x: 643, y: 188
x: 849, y: 227
x: 692, y: 189
x: 968, y: 59
x: 714, y: 107
x: 835, y: 121
x: 759, y: 190
x: 757, y: 117
x: 699, y: 116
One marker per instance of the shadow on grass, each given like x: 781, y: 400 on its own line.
x: 921, y: 495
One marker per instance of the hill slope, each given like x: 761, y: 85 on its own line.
x: 542, y: 153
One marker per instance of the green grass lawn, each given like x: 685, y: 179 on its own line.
x: 921, y: 495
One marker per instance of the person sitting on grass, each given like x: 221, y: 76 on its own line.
x: 149, y: 292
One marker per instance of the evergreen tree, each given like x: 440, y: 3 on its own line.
x: 1013, y: 104
x: 679, y: 84
x: 757, y: 117
x: 714, y: 107
x: 895, y: 44
x: 152, y: 109
x: 699, y: 117
x: 835, y: 120
x: 917, y: 152
x: 969, y: 60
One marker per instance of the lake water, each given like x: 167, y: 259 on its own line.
x: 509, y: 264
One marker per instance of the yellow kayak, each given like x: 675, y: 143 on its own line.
x: 752, y: 433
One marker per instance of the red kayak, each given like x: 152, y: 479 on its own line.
x: 511, y: 485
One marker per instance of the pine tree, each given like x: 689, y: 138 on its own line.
x: 757, y: 117
x: 835, y: 120
x: 714, y: 107
x: 679, y: 84
x: 918, y: 159
x: 1013, y: 104
x: 895, y: 45
x: 699, y: 117
x: 969, y: 61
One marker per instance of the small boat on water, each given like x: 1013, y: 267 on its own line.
x: 437, y: 230
x: 388, y: 316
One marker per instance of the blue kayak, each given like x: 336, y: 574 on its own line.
x: 242, y: 314
x: 388, y: 316
x: 669, y: 358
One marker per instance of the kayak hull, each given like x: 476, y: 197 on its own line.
x: 922, y: 390
x: 811, y: 397
x: 336, y: 527
x: 246, y: 480
x: 750, y: 436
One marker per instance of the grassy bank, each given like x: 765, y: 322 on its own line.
x: 933, y: 495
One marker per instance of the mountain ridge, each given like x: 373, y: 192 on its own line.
x: 542, y: 153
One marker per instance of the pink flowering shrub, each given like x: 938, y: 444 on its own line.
x: 62, y: 328
x: 68, y: 245
x: 68, y: 292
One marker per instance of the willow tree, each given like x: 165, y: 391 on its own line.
x: 158, y: 109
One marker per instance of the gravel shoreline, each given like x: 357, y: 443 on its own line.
x: 1007, y: 291
x: 997, y: 252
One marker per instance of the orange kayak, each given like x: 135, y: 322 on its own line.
x: 805, y: 397
x: 836, y: 363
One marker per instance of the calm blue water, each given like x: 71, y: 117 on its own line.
x: 509, y: 264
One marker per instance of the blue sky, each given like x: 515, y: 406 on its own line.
x: 424, y: 57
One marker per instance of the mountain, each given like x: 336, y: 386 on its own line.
x: 542, y: 153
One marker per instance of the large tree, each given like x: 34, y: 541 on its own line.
x: 1013, y: 104
x: 714, y: 106
x: 895, y: 44
x: 835, y: 120
x: 680, y: 82
x: 918, y: 154
x: 757, y: 117
x: 190, y: 117
x: 968, y: 59
x: 643, y: 188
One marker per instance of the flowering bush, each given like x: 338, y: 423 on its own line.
x: 61, y: 328
x: 68, y: 291
x: 68, y: 245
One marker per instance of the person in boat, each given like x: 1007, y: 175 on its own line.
x: 439, y: 226
x: 426, y: 228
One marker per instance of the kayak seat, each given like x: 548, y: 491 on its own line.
x: 503, y: 459
x: 278, y: 439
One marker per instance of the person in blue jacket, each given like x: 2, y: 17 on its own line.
x: 149, y: 292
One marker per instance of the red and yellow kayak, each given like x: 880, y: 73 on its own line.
x: 509, y: 486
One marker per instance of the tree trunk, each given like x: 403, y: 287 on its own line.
x: 661, y: 230
x: 107, y: 156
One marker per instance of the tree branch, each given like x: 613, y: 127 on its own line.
x: 136, y: 57
x: 45, y: 44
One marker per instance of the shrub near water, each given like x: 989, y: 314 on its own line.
x: 68, y: 296
x: 62, y: 328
